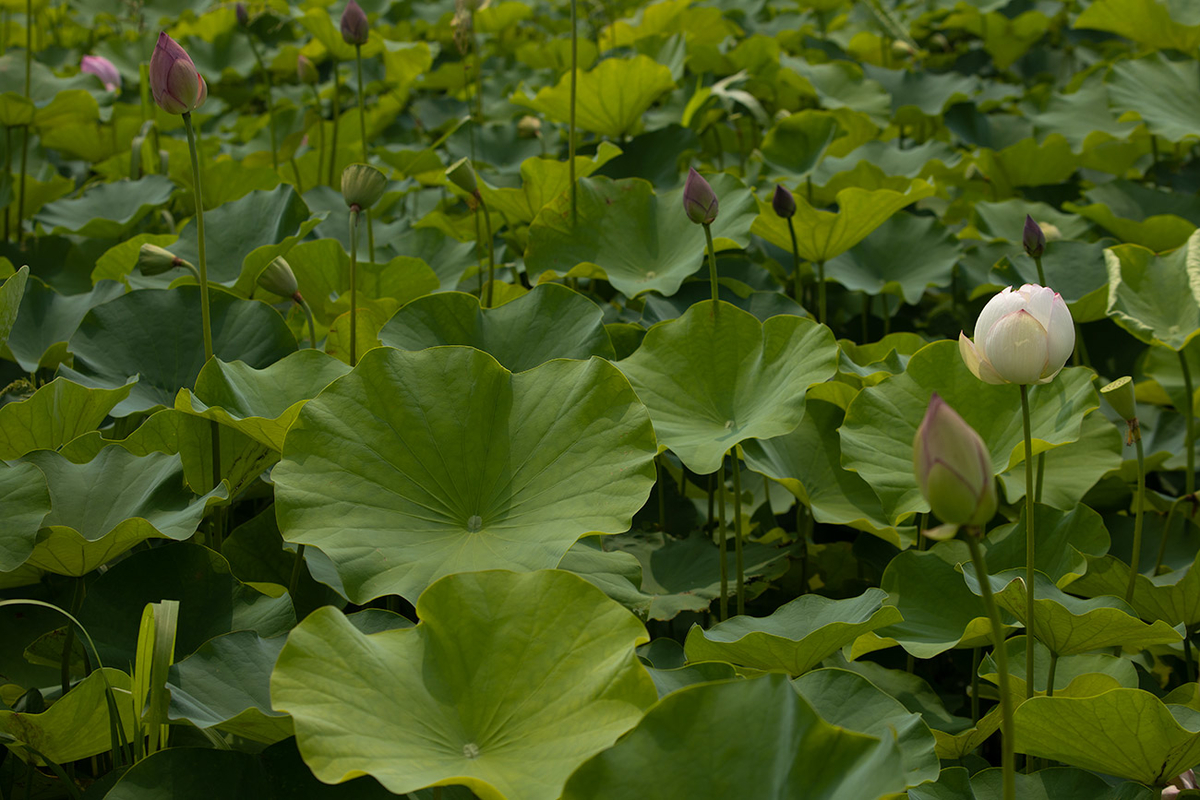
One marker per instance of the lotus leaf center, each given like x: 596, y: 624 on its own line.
x: 471, y: 751
x: 474, y: 523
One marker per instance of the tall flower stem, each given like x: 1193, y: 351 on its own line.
x: 1136, y: 434
x: 1162, y: 543
x: 312, y: 328
x: 29, y: 22
x: 362, y: 125
x: 821, y: 292
x: 335, y: 106
x: 712, y: 266
x: 1053, y: 669
x: 1037, y: 260
x: 737, y: 532
x: 571, y: 122
x: 202, y: 266
x: 722, y: 547
x: 489, y: 247
x: 795, y: 261
x: 270, y: 101
x: 1007, y: 759
x: 1029, y: 530
x: 354, y: 212
x: 320, y: 135
x: 1190, y: 419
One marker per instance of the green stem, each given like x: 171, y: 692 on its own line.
x: 29, y: 23
x: 1162, y: 544
x: 662, y: 500
x: 976, y: 657
x: 488, y: 246
x: 1029, y: 533
x: 297, y: 563
x: 1187, y: 655
x: 69, y: 643
x: 320, y: 135
x: 737, y: 532
x: 1041, y: 473
x: 795, y: 261
x: 270, y: 102
x: 205, y: 318
x: 296, y: 172
x: 1037, y: 260
x: 1006, y: 710
x: 354, y: 211
x: 335, y: 107
x: 802, y: 530
x: 721, y: 544
x: 1053, y: 668
x: 1137, y: 523
x: 712, y: 266
x: 144, y: 91
x: 362, y: 126
x: 312, y: 328
x: 821, y: 292
x: 1189, y: 416
x: 571, y: 122
x: 8, y: 176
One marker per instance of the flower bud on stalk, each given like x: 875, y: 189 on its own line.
x: 103, y: 69
x: 362, y: 186
x: 277, y: 278
x: 155, y: 260
x: 953, y: 467
x: 699, y: 199
x: 176, y: 85
x: 461, y: 175
x: 243, y: 16
x: 1033, y: 239
x: 355, y: 27
x: 783, y: 202
x: 1023, y: 336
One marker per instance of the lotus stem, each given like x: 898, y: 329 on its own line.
x: 8, y: 176
x: 362, y: 125
x: 1037, y: 260
x: 1137, y: 520
x: 1187, y: 654
x: 737, y: 531
x: 270, y: 101
x: 1029, y: 533
x: 335, y: 107
x: 297, y: 563
x: 1162, y: 544
x: 320, y: 134
x: 312, y: 328
x: 354, y: 212
x: 29, y: 23
x: 712, y: 266
x: 489, y: 246
x: 571, y: 122
x: 1006, y: 709
x: 1053, y: 668
x: 1041, y: 473
x: 662, y: 500
x: 821, y: 292
x: 1189, y: 416
x: 721, y: 543
x: 976, y: 658
x: 796, y: 288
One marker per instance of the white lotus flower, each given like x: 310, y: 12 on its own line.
x: 1023, y: 336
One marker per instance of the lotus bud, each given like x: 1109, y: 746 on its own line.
x: 1033, y: 238
x: 462, y: 176
x: 901, y: 49
x: 155, y: 260
x: 243, y: 17
x: 699, y: 200
x: 103, y: 69
x: 783, y: 202
x: 355, y: 27
x: 278, y: 278
x: 176, y: 85
x: 1179, y: 784
x: 306, y: 70
x: 1023, y: 336
x: 953, y: 467
x: 529, y: 127
x: 362, y: 186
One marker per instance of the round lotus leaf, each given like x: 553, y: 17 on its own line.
x: 12, y: 291
x: 24, y: 503
x: 717, y: 376
x: 417, y: 465
x: 508, y: 683
x: 550, y: 321
x: 156, y: 334
x: 77, y: 725
x: 1156, y: 298
x: 779, y: 750
x: 47, y: 320
x: 55, y: 414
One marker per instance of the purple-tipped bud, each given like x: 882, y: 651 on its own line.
x: 699, y: 200
x: 355, y: 27
x: 176, y: 85
x: 783, y: 202
x: 306, y: 70
x: 953, y: 467
x: 103, y: 69
x: 1033, y: 238
x: 243, y: 16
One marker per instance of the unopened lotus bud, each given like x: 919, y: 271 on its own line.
x: 901, y: 49
x: 355, y: 27
x: 953, y: 467
x: 362, y: 186
x: 103, y: 69
x: 783, y: 202
x: 462, y: 176
x: 306, y: 70
x: 243, y: 16
x: 176, y: 85
x: 699, y: 199
x: 278, y: 278
x: 939, y: 42
x: 155, y: 260
x: 1033, y: 239
x: 529, y: 127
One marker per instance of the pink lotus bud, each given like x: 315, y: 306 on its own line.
x: 953, y: 467
x: 1023, y: 336
x: 783, y: 202
x: 103, y: 69
x: 355, y: 27
x: 1033, y: 239
x: 243, y: 16
x: 699, y: 200
x: 1178, y: 784
x: 176, y: 85
x: 306, y: 70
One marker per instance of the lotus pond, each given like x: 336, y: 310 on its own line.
x: 603, y: 400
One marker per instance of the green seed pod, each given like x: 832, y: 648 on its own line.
x: 278, y: 278
x: 362, y: 186
x: 1120, y: 396
x: 155, y: 260
x: 462, y: 176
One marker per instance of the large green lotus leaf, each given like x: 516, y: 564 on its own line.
x: 104, y: 507
x: 24, y: 503
x: 685, y: 574
x: 211, y: 601
x: 796, y: 636
x: 542, y: 180
x: 1156, y: 298
x: 226, y: 684
x: 1006, y: 220
x: 1172, y: 25
x: 788, y: 753
x: 796, y: 143
x: 1067, y: 669
x: 1082, y: 116
x: 928, y: 92
x: 921, y: 160
x: 868, y: 364
x: 53, y: 416
x: 808, y: 461
x: 12, y: 291
x: 1164, y: 93
x: 156, y: 334
x: 1161, y: 365
x: 562, y: 683
x: 852, y: 702
x: 1155, y: 219
x: 76, y: 726
x: 1070, y: 625
x: 550, y: 321
x: 940, y: 613
x: 1173, y: 598
x: 882, y: 420
x: 610, y: 99
x: 400, y: 485
x: 107, y: 210
x: 958, y: 745
x: 261, y: 403
x: 1029, y: 162
x: 1065, y: 540
x: 822, y: 235
x: 717, y: 376
x: 617, y: 574
x: 37, y: 194
x: 904, y: 256
x: 672, y: 680
x: 1128, y: 733
x: 636, y: 240
x: 47, y: 320
x: 253, y: 230
x: 1075, y: 269
x: 1057, y: 783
